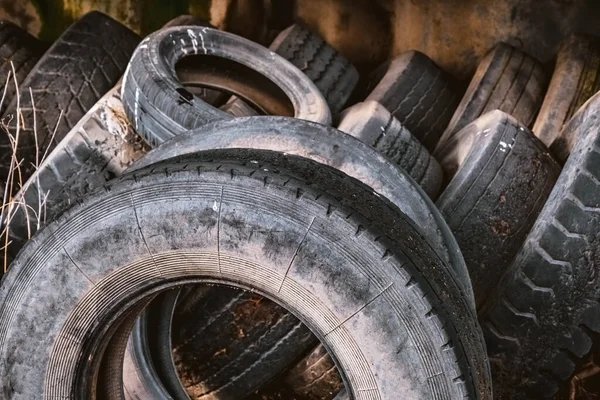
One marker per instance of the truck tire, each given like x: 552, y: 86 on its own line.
x: 120, y: 258
x: 160, y: 108
x: 541, y: 320
x: 374, y: 125
x: 417, y: 92
x: 504, y: 176
x: 508, y: 80
x: 84, y: 63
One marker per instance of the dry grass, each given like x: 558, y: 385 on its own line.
x: 14, y: 181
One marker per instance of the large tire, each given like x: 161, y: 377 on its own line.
x: 76, y: 71
x: 508, y: 80
x: 541, y: 320
x: 376, y: 126
x: 503, y: 180
x: 160, y: 108
x: 337, y: 150
x: 101, y: 265
x: 417, y: 92
x: 23, y: 50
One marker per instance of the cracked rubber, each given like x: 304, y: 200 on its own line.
x: 335, y: 227
x: 331, y: 73
x: 160, y: 108
x: 315, y: 377
x: 84, y: 63
x: 504, y: 176
x: 374, y: 125
x: 541, y: 320
x: 508, y: 80
x: 24, y: 50
x: 417, y: 92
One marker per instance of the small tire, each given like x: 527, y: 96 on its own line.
x: 417, y: 92
x: 374, y: 125
x: 541, y: 320
x: 504, y: 176
x: 360, y: 319
x: 160, y: 108
x: 508, y: 80
x: 84, y: 63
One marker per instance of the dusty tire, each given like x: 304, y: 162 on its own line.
x: 159, y: 108
x: 374, y: 125
x: 238, y: 108
x: 417, y: 92
x: 508, y: 80
x: 541, y: 321
x: 574, y: 81
x: 86, y: 245
x: 23, y: 50
x: 335, y: 149
x: 500, y: 187
x: 315, y: 376
x: 74, y: 73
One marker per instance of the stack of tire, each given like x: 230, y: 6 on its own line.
x: 258, y: 251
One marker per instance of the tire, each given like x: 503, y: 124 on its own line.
x: 187, y: 20
x: 227, y: 343
x: 238, y: 108
x: 315, y: 376
x: 159, y: 108
x: 492, y: 202
x: 23, y: 50
x: 376, y: 126
x: 417, y: 92
x: 508, y: 80
x: 574, y: 81
x: 83, y: 64
x: 337, y: 150
x: 98, y: 148
x: 541, y: 320
x: 331, y: 72
x: 360, y: 319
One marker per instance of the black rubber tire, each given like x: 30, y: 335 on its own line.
x: 187, y: 20
x: 238, y: 108
x: 331, y: 72
x: 417, y: 92
x: 107, y: 262
x: 24, y: 50
x: 376, y: 126
x: 492, y: 202
x: 541, y: 320
x: 315, y: 376
x: 508, y: 80
x: 99, y: 148
x: 574, y: 81
x: 159, y: 108
x: 338, y: 150
x: 227, y: 342
x: 84, y: 63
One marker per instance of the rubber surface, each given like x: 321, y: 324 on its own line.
x: 386, y: 274
x: 77, y: 70
x: 417, y: 92
x: 315, y: 376
x: 159, y: 108
x: 505, y: 174
x: 376, y: 126
x: 542, y: 319
x: 507, y: 79
x: 23, y: 50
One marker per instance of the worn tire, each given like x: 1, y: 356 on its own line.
x: 23, y: 50
x: 508, y: 80
x: 315, y: 376
x: 500, y: 187
x: 417, y: 92
x: 238, y: 108
x: 541, y: 320
x: 376, y: 126
x: 84, y: 63
x: 361, y: 319
x: 160, y: 108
